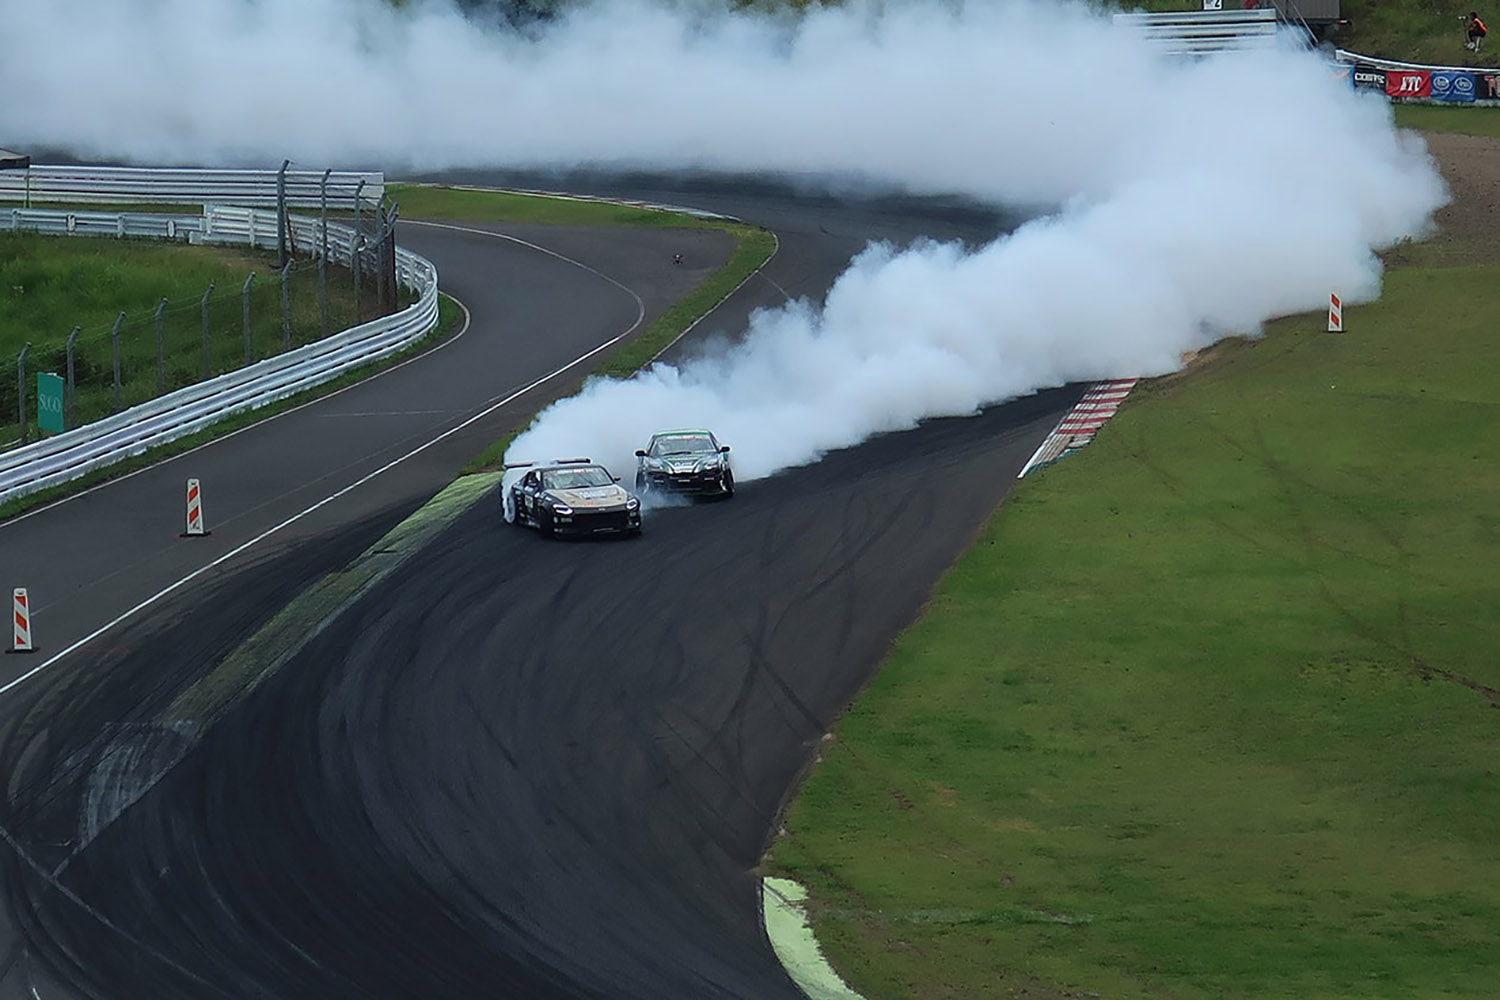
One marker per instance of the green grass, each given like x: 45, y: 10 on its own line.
x: 1209, y: 709
x: 419, y: 201
x: 1422, y: 31
x: 49, y: 284
x: 1466, y: 121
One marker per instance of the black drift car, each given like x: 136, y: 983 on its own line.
x: 572, y: 497
x: 685, y: 461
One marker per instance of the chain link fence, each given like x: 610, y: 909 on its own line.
x: 140, y: 355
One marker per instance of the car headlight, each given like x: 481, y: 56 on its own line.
x: 561, y: 508
x: 632, y: 503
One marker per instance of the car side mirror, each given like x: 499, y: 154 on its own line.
x: 725, y: 448
x: 639, y: 453
x: 615, y: 478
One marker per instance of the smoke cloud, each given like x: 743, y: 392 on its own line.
x: 1187, y: 200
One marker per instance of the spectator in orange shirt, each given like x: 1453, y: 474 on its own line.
x: 1477, y: 31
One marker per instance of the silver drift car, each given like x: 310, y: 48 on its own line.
x: 571, y: 497
x: 685, y: 461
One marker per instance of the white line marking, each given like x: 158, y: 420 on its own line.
x: 714, y: 308
x: 165, y: 591
x: 773, y: 281
x: 468, y: 319
x: 640, y: 306
x: 486, y: 411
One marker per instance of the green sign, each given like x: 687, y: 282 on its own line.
x: 49, y: 402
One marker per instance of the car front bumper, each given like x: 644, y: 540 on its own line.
x: 700, y: 483
x: 598, y: 521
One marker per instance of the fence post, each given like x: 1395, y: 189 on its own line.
x: 356, y: 249
x: 387, y: 279
x: 245, y: 296
x: 21, y: 391
x: 281, y: 214
x: 207, y: 353
x: 286, y: 307
x: 323, y: 260
x: 72, y: 388
x: 161, y: 350
x: 114, y: 346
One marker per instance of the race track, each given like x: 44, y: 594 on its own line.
x: 517, y: 767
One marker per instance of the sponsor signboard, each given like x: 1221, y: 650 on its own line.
x: 1408, y: 83
x: 1342, y: 72
x: 1448, y: 85
x: 49, y: 402
x: 1487, y: 86
x: 1369, y: 78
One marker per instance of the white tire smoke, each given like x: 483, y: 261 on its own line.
x: 1197, y: 198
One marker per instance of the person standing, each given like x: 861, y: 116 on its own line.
x: 1477, y: 31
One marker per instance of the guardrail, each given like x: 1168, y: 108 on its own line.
x: 150, y: 186
x: 75, y: 453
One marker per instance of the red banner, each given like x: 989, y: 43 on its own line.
x: 1408, y: 83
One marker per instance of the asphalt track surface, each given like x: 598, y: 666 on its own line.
x: 517, y: 767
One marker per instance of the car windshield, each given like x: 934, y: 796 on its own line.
x: 575, y: 479
x: 681, y: 444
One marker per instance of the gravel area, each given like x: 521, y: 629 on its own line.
x: 1470, y: 224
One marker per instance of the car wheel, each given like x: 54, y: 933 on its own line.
x: 728, y: 483
x: 547, y: 524
x: 642, y: 484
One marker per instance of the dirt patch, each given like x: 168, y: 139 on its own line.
x: 1469, y: 227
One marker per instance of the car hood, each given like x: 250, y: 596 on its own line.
x: 591, y: 496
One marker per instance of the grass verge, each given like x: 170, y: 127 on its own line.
x: 1210, y: 709
x: 1464, y: 121
x: 422, y: 201
x: 450, y: 319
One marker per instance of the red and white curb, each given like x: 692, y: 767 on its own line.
x: 1082, y: 422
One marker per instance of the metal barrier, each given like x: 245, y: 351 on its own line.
x: 75, y: 453
x: 149, y: 186
x: 1203, y: 32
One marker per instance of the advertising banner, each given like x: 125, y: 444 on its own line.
x: 1449, y: 85
x: 1408, y: 83
x: 1487, y: 86
x: 49, y: 402
x: 1369, y: 78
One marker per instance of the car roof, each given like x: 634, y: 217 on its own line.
x: 681, y: 432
